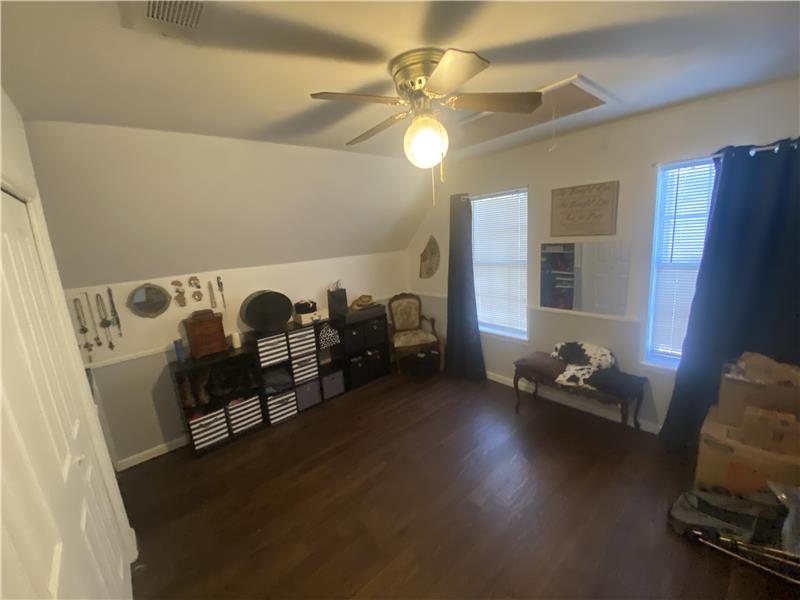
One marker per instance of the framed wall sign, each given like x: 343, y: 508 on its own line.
x: 584, y: 209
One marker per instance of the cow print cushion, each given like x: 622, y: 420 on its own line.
x: 583, y: 360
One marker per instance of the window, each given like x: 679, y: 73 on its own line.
x: 500, y: 262
x: 683, y: 202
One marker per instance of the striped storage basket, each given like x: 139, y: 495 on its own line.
x: 272, y: 349
x: 245, y: 414
x: 209, y: 430
x: 304, y: 369
x: 281, y: 407
x: 302, y: 341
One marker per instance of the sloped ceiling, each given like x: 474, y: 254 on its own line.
x: 128, y: 204
x: 250, y: 71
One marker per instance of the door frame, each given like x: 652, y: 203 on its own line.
x: 69, y: 345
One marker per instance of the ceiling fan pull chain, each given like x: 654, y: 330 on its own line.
x: 441, y: 159
x: 553, y: 142
x: 433, y: 184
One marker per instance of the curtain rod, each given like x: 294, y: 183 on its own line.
x: 719, y: 154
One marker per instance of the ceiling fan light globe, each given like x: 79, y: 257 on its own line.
x: 425, y: 142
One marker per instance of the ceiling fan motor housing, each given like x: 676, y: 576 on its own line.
x: 411, y: 70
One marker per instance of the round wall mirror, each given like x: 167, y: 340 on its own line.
x: 148, y: 300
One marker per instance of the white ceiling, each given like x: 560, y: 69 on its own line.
x: 259, y: 61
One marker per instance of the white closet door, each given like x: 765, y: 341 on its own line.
x: 61, y: 537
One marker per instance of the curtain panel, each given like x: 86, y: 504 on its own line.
x: 464, y: 355
x: 747, y: 296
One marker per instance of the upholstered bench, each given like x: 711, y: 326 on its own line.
x: 614, y: 387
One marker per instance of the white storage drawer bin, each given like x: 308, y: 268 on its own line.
x: 302, y: 341
x: 281, y: 407
x: 209, y: 430
x: 245, y: 415
x: 305, y: 369
x: 272, y: 349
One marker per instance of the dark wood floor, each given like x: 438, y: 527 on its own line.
x: 425, y: 488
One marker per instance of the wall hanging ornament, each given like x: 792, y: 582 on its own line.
x: 429, y: 259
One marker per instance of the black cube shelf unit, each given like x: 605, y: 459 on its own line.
x: 282, y: 374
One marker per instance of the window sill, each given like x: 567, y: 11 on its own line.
x: 654, y: 363
x: 506, y: 335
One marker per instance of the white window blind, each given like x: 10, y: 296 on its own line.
x: 682, y: 207
x: 500, y: 261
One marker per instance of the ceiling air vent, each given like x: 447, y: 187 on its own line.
x: 182, y: 14
x: 180, y: 20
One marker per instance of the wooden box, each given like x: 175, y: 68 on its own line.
x: 205, y: 332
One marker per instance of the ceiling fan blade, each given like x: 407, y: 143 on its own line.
x: 316, y: 116
x: 455, y: 68
x: 385, y: 124
x: 506, y: 102
x: 391, y: 101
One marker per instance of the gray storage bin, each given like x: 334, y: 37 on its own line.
x: 308, y: 394
x: 333, y: 385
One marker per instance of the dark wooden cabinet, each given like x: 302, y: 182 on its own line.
x: 277, y: 375
x: 365, y: 348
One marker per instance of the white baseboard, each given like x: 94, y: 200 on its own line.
x: 145, y: 455
x: 594, y: 408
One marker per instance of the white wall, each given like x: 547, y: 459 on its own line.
x: 127, y: 204
x: 18, y: 174
x: 625, y: 150
x: 380, y: 275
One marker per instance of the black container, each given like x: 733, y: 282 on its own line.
x: 378, y: 362
x: 266, y: 311
x: 353, y: 339
x: 375, y: 332
x: 358, y: 370
x: 308, y: 394
x: 337, y: 302
x: 332, y: 385
x: 423, y: 363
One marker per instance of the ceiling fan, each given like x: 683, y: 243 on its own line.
x: 426, y: 78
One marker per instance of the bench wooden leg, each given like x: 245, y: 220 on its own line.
x: 623, y: 410
x: 516, y: 391
x: 638, y: 405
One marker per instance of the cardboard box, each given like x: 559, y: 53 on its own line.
x: 737, y: 393
x: 725, y: 463
x: 771, y: 430
x: 763, y: 369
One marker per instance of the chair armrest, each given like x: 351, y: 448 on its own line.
x: 432, y: 321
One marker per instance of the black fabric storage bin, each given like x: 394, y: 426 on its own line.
x: 358, y: 370
x: 353, y: 339
x: 332, y: 385
x: 308, y: 394
x: 378, y: 361
x: 425, y: 362
x: 375, y: 332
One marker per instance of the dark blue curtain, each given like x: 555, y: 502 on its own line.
x: 748, y: 288
x: 463, y: 356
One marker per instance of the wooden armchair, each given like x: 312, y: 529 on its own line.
x: 406, y: 333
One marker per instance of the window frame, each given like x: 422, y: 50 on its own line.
x: 488, y: 328
x: 649, y: 356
